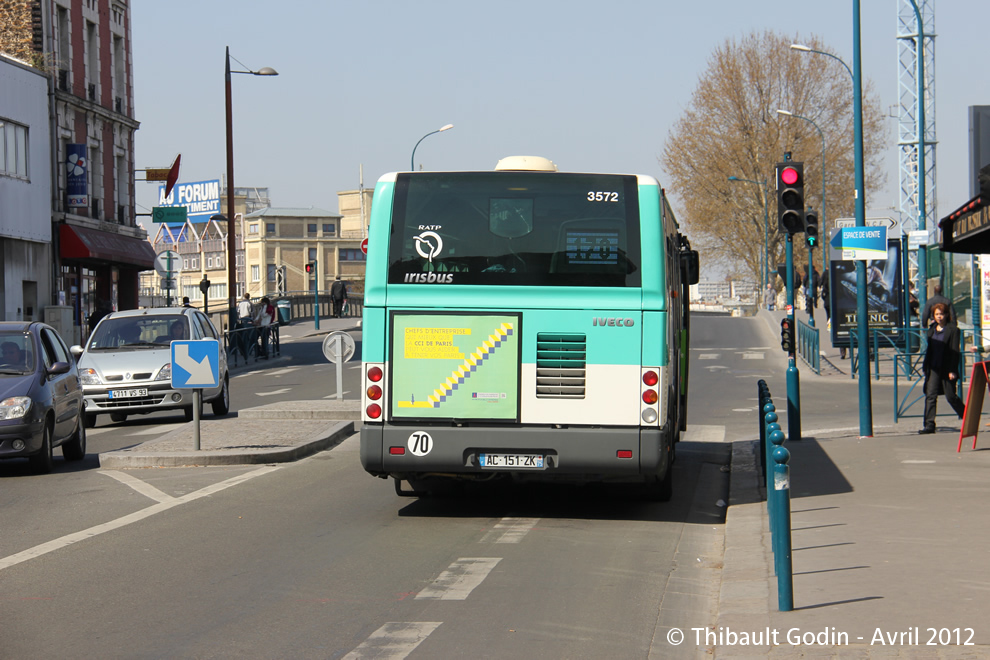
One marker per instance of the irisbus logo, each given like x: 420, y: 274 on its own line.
x: 612, y: 321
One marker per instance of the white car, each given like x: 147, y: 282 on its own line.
x: 126, y: 366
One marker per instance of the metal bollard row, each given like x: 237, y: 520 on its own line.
x: 778, y: 496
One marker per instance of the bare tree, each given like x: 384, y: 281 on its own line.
x: 732, y: 129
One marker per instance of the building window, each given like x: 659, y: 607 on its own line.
x: 311, y: 253
x: 13, y: 149
x: 311, y: 229
x: 253, y: 229
x: 270, y: 228
x: 353, y: 255
x: 271, y: 272
x: 255, y: 273
x: 185, y: 264
x: 328, y: 229
x: 209, y: 262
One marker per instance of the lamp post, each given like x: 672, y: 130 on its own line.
x: 231, y: 242
x: 765, y: 275
x: 862, y: 330
x: 412, y: 165
x: 811, y: 311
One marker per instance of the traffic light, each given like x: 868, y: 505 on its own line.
x: 787, y: 335
x: 811, y: 228
x: 310, y: 268
x: 790, y: 197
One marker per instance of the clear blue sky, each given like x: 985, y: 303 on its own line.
x: 595, y: 86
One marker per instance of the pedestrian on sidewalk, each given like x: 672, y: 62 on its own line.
x: 338, y: 295
x: 941, y: 365
x: 770, y: 297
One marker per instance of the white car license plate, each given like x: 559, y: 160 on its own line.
x: 128, y: 394
x: 513, y: 461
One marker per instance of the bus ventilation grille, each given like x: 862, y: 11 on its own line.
x: 560, y: 366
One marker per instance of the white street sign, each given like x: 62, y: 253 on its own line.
x: 889, y: 223
x: 162, y: 265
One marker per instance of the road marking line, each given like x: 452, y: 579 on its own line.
x: 709, y: 356
x: 142, y: 487
x: 280, y: 391
x: 334, y: 396
x: 69, y: 539
x: 282, y: 372
x: 394, y: 641
x: 917, y: 462
x: 509, y: 530
x: 460, y: 579
x: 753, y: 356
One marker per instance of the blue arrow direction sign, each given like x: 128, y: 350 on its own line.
x: 861, y: 242
x: 195, y: 364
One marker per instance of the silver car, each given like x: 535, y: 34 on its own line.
x: 126, y: 365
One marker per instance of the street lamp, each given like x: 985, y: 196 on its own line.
x: 412, y: 160
x: 806, y: 49
x: 231, y: 242
x: 811, y: 311
x: 862, y: 330
x: 765, y: 277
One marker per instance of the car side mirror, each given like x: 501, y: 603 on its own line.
x: 76, y: 350
x: 59, y: 368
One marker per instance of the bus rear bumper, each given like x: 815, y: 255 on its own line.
x: 591, y: 453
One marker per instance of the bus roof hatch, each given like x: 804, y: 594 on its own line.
x: 525, y: 163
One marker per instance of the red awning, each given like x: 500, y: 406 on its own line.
x: 96, y: 245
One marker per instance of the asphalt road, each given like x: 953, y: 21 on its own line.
x: 318, y: 559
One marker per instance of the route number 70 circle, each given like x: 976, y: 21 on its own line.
x: 420, y: 443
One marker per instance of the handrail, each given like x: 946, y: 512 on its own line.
x: 808, y: 346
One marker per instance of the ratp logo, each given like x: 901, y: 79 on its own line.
x: 428, y: 245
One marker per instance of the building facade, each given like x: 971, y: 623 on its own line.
x: 26, y: 274
x: 97, y: 247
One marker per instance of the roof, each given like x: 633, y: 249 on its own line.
x: 307, y: 212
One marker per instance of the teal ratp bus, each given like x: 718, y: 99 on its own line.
x: 524, y: 323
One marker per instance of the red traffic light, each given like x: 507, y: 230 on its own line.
x: 309, y: 268
x: 790, y: 176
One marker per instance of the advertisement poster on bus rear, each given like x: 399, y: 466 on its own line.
x: 455, y: 366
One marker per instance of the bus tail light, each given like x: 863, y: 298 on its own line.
x: 373, y: 398
x: 624, y: 453
x: 397, y: 451
x: 651, y: 386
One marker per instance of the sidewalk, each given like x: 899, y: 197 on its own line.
x: 889, y: 539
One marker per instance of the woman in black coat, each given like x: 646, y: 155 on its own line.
x: 941, y: 366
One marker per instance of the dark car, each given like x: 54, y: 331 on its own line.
x: 41, y: 401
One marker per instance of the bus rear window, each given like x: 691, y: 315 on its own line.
x: 515, y: 228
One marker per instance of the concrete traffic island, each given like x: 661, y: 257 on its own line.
x: 254, y: 436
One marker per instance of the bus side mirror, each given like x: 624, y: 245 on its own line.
x: 690, y: 267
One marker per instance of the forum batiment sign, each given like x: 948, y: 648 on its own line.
x: 201, y: 199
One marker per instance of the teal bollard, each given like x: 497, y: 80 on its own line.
x: 782, y: 530
x: 776, y: 441
x: 769, y: 417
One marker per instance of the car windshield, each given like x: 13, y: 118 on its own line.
x: 138, y: 332
x: 17, y: 352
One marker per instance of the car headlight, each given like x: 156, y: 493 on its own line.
x: 89, y: 377
x: 15, y: 407
x: 165, y: 373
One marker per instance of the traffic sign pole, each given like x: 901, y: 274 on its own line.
x: 197, y: 407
